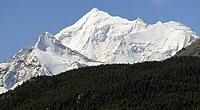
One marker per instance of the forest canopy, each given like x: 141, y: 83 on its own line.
x: 170, y: 84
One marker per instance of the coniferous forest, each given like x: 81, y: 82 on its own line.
x: 172, y: 84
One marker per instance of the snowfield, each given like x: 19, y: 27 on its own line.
x: 97, y: 38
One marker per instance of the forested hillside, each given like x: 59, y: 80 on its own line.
x: 170, y: 84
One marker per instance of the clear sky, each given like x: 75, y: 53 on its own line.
x: 22, y: 21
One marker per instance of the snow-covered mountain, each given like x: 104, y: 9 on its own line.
x: 97, y: 38
x: 102, y: 37
x: 47, y: 57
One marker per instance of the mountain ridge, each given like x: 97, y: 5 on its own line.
x: 88, y: 40
x: 97, y: 38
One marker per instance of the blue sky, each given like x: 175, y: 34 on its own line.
x: 22, y: 21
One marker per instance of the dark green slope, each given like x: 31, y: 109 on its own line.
x: 191, y: 50
x: 172, y: 84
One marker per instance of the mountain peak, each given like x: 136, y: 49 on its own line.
x: 94, y: 10
x: 47, y: 40
x: 47, y: 34
x: 92, y: 16
x: 96, y: 13
x: 159, y: 22
x: 140, y: 20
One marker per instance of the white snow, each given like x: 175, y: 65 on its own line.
x: 3, y: 90
x: 104, y: 38
x: 98, y: 33
x: 97, y: 38
x: 56, y: 57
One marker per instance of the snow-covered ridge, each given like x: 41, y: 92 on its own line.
x: 98, y: 32
x: 102, y: 37
x: 97, y: 38
x: 46, y: 58
x: 57, y: 57
x: 180, y: 26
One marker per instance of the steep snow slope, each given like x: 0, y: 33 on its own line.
x: 48, y: 57
x: 57, y: 57
x: 157, y: 42
x: 104, y: 38
x: 97, y: 33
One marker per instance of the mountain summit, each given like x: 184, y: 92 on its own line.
x: 104, y: 38
x: 97, y: 38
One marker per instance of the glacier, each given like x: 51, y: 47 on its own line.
x: 97, y: 38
